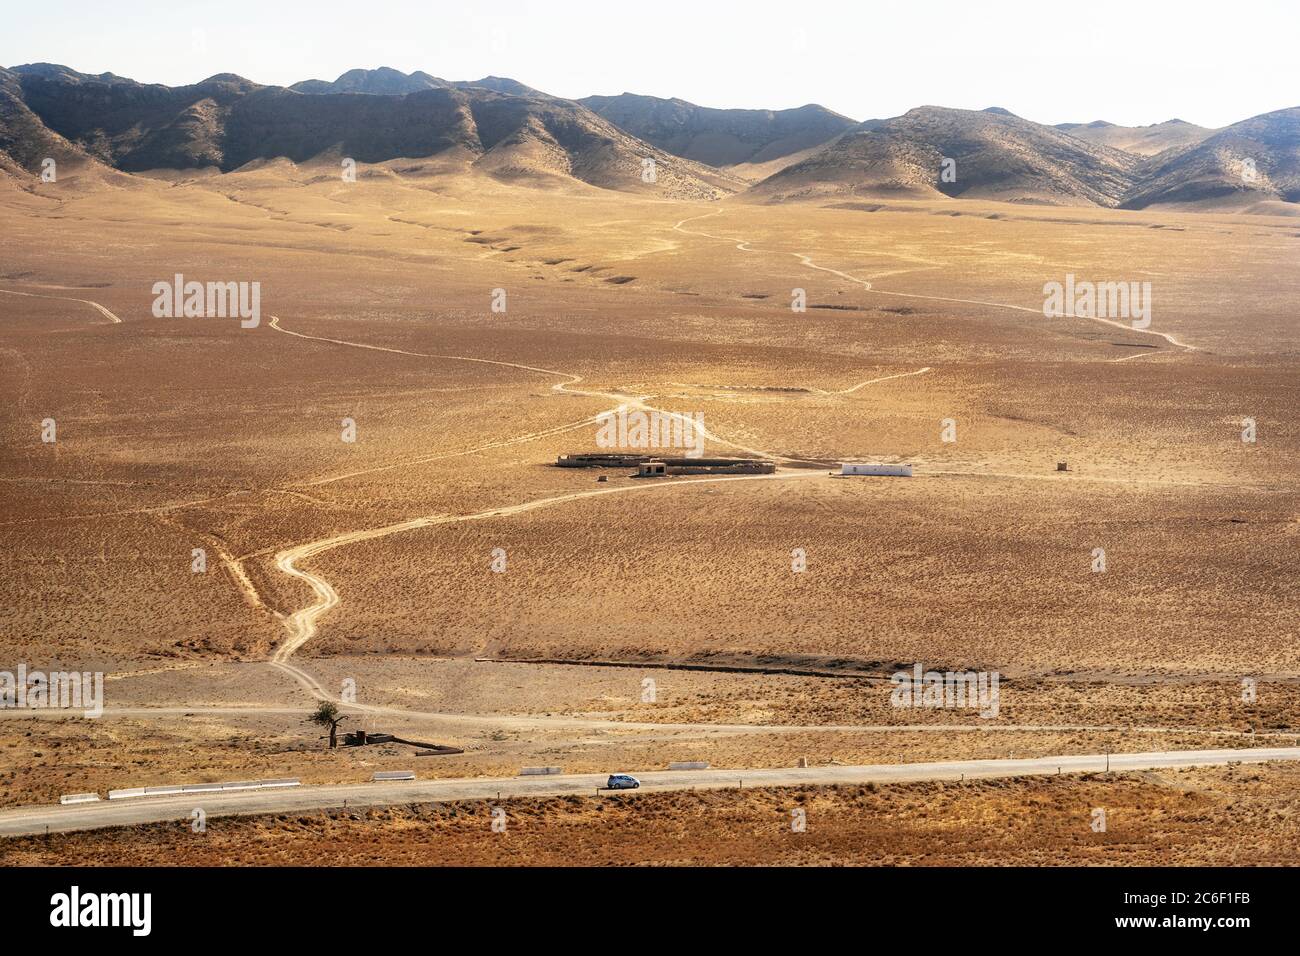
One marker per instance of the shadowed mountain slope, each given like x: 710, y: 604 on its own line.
x: 227, y: 121
x: 997, y: 156
x: 1254, y: 162
x: 507, y: 130
x: 719, y: 137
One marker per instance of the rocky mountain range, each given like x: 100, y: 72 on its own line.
x: 643, y: 144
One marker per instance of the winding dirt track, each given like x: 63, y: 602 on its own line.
x: 874, y: 381
x: 301, y: 625
x: 425, y: 459
x: 67, y: 298
x: 745, y: 246
x: 676, y: 730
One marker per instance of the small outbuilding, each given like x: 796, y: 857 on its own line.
x: 862, y: 468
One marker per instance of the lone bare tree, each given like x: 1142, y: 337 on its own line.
x: 327, y: 715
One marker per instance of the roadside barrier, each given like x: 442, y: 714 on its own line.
x: 392, y: 775
x: 132, y: 792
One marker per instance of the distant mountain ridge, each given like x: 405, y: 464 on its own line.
x: 504, y: 128
x: 1254, y: 161
x: 719, y: 137
x: 385, y: 81
x: 1139, y: 140
x: 994, y: 155
x: 226, y: 121
x: 1253, y: 165
x: 24, y: 139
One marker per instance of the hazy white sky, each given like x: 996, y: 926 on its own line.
x: 1131, y: 62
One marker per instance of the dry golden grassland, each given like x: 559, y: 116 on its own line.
x: 175, y: 434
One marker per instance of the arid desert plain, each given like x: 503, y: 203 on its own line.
x: 470, y: 593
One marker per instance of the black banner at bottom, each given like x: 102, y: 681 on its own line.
x: 360, y: 905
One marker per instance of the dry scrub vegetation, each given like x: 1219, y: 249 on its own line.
x: 176, y: 434
x: 1224, y: 816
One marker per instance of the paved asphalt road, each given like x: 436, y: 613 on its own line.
x: 29, y: 820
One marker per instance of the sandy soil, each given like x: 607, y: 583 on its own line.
x: 203, y: 723
x: 372, y: 559
x: 1189, y: 817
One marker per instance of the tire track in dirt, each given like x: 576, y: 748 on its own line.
x: 67, y: 298
x: 1137, y: 355
x: 874, y: 381
x: 160, y: 509
x: 233, y: 567
x: 744, y: 246
x: 514, y: 722
x: 302, y: 624
x: 425, y: 459
x: 625, y: 401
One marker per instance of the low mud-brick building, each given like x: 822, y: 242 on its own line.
x: 659, y: 467
x: 600, y: 459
